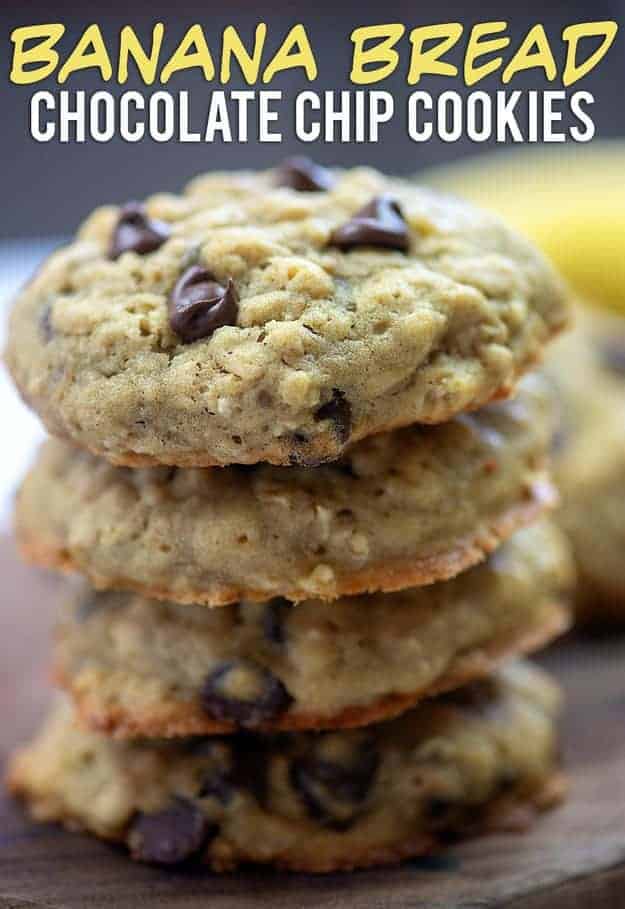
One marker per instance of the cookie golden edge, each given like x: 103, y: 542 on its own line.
x: 188, y: 720
x: 540, y: 497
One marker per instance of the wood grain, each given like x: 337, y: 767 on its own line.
x: 574, y: 856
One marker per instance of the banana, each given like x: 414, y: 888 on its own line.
x: 569, y: 200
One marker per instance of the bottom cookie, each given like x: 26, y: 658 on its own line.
x: 457, y: 765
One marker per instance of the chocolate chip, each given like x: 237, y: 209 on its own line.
x: 198, y: 305
x: 274, y: 614
x: 136, y: 232
x: 612, y: 353
x: 380, y: 223
x: 339, y: 411
x: 334, y: 777
x: 170, y: 836
x: 304, y: 175
x: 244, y: 693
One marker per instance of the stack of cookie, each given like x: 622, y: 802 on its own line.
x: 271, y: 395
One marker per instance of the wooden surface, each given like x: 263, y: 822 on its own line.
x: 573, y: 857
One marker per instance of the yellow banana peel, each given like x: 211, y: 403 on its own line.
x: 569, y: 200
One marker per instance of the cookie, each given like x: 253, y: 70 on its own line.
x: 588, y: 371
x: 139, y: 667
x: 456, y: 765
x: 252, y: 319
x: 400, y: 509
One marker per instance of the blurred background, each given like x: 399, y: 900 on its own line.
x: 557, y: 194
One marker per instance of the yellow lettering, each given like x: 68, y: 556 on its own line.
x: 232, y: 46
x: 382, y: 53
x: 284, y: 59
x: 130, y: 47
x: 478, y: 48
x: 527, y: 58
x: 573, y: 71
x: 41, y: 53
x: 191, y: 52
x: 428, y: 62
x: 89, y: 53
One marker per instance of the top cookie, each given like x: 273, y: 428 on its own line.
x: 277, y: 317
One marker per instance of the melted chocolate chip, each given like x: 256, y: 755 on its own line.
x: 303, y: 175
x: 274, y: 614
x: 334, y: 778
x: 244, y: 693
x: 339, y: 411
x: 136, y: 232
x: 198, y: 305
x: 170, y: 836
x: 380, y: 223
x: 612, y: 353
